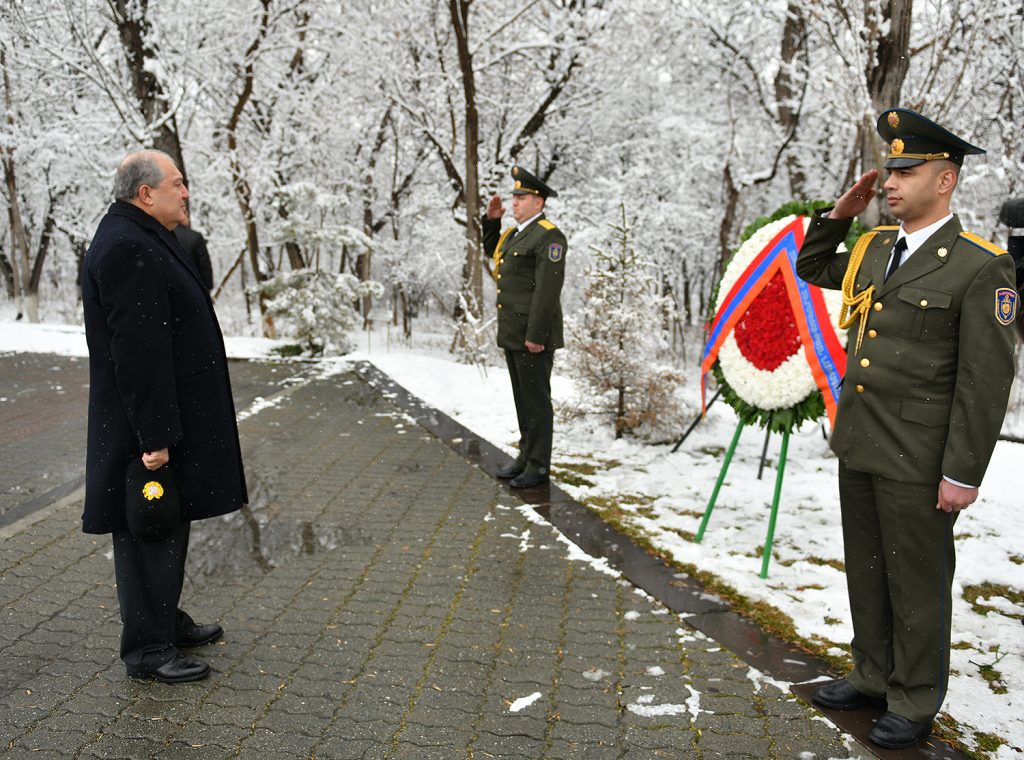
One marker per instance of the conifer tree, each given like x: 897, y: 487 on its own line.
x: 621, y: 342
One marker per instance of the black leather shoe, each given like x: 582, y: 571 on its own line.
x: 198, y: 635
x: 840, y: 695
x: 179, y: 670
x: 893, y: 731
x: 507, y: 473
x: 528, y: 480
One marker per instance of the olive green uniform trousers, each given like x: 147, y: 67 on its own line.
x: 531, y: 388
x: 899, y: 562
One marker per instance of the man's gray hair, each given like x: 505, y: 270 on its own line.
x: 138, y: 169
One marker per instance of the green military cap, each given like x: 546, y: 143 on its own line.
x: 913, y: 139
x: 527, y: 184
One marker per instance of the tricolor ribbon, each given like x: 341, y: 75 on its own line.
x: 825, y: 355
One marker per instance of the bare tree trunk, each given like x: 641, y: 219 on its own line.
x: 134, y: 28
x: 791, y: 76
x: 7, y: 272
x: 887, y: 26
x: 732, y: 199
x: 243, y: 193
x: 31, y: 286
x: 19, y: 264
x: 472, y: 270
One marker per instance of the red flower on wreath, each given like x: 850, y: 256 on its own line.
x: 767, y: 334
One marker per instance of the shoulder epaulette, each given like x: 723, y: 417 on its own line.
x: 546, y: 224
x: 886, y: 227
x: 990, y: 248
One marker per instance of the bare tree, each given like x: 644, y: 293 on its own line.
x: 131, y: 19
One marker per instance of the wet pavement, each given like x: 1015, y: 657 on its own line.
x: 382, y: 597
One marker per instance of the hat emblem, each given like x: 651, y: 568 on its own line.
x: 515, y: 171
x: 152, y: 490
x: 897, y: 146
x: 894, y: 119
x: 518, y: 184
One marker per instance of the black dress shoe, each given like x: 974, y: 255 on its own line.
x: 198, y: 635
x: 840, y: 695
x: 507, y: 473
x: 528, y: 480
x: 893, y: 731
x: 178, y: 670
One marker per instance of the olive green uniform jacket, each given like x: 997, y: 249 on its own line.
x: 926, y: 394
x: 529, y: 277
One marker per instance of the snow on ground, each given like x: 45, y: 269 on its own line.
x: 664, y: 496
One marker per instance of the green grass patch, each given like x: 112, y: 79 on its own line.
x: 689, y: 513
x: 993, y: 678
x: 821, y: 562
x: 988, y: 590
x: 290, y: 349
x: 571, y: 478
x: 683, y: 534
x: 988, y: 742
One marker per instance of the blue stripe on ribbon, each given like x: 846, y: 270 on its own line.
x: 729, y: 307
x: 813, y: 326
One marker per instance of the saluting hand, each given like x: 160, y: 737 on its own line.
x: 494, y: 208
x: 853, y: 202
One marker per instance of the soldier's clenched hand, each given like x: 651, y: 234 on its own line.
x: 494, y: 208
x: 533, y: 348
x: 953, y: 498
x: 853, y: 202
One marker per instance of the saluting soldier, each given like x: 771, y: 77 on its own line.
x: 529, y: 268
x: 929, y: 367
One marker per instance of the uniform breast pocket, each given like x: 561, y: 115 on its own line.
x: 934, y: 318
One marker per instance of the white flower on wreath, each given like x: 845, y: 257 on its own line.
x: 791, y: 382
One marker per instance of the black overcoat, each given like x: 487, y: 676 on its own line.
x: 158, y: 374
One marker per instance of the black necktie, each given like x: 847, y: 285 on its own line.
x: 897, y: 256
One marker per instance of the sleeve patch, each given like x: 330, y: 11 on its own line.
x: 546, y: 224
x: 1006, y: 305
x: 990, y: 248
x: 555, y: 252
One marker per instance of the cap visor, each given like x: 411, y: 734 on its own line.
x: 903, y: 163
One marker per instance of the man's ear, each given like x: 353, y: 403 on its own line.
x: 146, y: 195
x: 948, y: 179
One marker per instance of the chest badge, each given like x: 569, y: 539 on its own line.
x: 555, y: 252
x: 1006, y: 305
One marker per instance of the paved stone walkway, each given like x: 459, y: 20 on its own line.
x: 382, y: 598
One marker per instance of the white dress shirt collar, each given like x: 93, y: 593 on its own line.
x: 527, y: 223
x: 916, y: 239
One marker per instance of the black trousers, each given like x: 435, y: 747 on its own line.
x: 150, y: 575
x: 531, y: 388
x: 899, y: 572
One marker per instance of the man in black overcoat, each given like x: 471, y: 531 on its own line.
x: 194, y: 244
x: 159, y: 390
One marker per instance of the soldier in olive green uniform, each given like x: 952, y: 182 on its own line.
x: 929, y: 367
x: 529, y: 267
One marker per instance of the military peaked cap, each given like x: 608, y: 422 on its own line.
x: 913, y: 139
x: 527, y: 184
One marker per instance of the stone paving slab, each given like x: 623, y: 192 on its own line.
x: 382, y: 598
